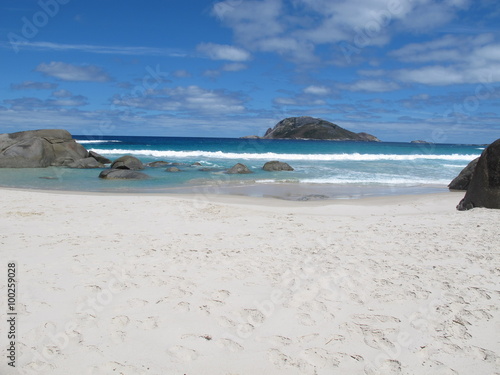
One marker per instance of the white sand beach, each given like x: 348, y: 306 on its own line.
x: 178, y: 284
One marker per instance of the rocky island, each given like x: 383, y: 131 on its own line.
x: 306, y: 127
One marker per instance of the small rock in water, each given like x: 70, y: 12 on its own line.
x: 172, y: 169
x: 239, y: 169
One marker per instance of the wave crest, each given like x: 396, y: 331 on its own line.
x: 276, y: 156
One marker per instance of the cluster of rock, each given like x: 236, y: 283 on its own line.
x: 306, y: 127
x: 45, y: 148
x: 270, y: 166
x: 125, y: 168
x: 481, y: 179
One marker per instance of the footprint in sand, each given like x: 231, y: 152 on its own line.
x: 182, y: 307
x: 224, y: 321
x: 375, y: 338
x: 305, y: 319
x: 221, y: 295
x: 319, y: 357
x: 278, y: 340
x: 279, y: 359
x: 182, y: 353
x: 118, y: 336
x: 230, y: 345
x: 114, y: 368
x: 367, y: 318
x: 121, y: 321
x: 151, y: 322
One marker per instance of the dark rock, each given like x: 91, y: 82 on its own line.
x: 172, y: 169
x: 484, y: 187
x: 271, y: 166
x: 158, y: 164
x: 39, y: 149
x: 122, y: 174
x: 196, y: 164
x: 313, y: 197
x: 313, y: 128
x: 101, y: 159
x: 239, y: 169
x: 461, y: 182
x: 127, y: 162
x: 85, y: 163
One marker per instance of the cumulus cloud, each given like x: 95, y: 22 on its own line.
x: 370, y: 86
x: 273, y: 25
x: 29, y: 103
x: 185, y: 99
x: 317, y: 90
x: 31, y: 85
x: 70, y: 72
x: 223, y: 52
x: 451, y: 60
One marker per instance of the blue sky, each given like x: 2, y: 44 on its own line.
x: 398, y: 69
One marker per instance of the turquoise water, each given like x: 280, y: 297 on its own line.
x: 325, y: 167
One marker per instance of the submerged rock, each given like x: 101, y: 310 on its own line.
x: 275, y: 165
x: 86, y: 164
x: 158, y: 164
x: 484, y: 187
x: 172, y: 169
x: 239, y: 169
x: 127, y: 162
x: 462, y: 181
x: 123, y: 174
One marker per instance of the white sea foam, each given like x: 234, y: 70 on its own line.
x: 376, y: 180
x: 275, y: 156
x: 85, y: 141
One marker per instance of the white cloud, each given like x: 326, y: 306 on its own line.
x: 191, y: 99
x: 89, y: 48
x: 31, y: 85
x: 451, y: 60
x: 223, y: 52
x: 295, y: 29
x: 317, y: 90
x: 370, y: 86
x: 69, y: 72
x: 62, y: 94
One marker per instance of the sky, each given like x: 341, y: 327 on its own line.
x: 398, y: 69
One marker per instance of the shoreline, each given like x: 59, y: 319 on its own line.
x: 290, y: 191
x: 252, y: 199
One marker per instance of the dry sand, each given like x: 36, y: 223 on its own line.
x: 151, y: 284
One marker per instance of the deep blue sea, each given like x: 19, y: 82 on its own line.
x: 322, y: 168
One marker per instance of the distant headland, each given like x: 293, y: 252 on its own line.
x: 306, y: 127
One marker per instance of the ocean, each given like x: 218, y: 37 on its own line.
x: 322, y: 169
